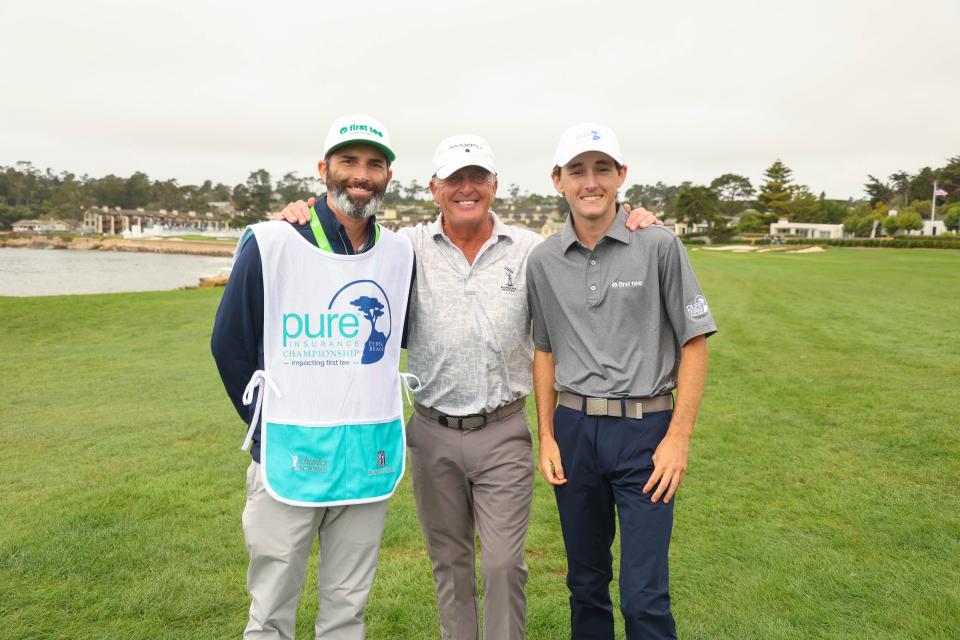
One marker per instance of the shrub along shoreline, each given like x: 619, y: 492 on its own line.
x: 897, y: 242
x: 215, y: 248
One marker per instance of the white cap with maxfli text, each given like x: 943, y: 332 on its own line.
x: 463, y: 150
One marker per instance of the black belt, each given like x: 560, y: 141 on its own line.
x: 616, y: 407
x: 474, y: 420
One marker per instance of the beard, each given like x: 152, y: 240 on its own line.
x: 355, y: 208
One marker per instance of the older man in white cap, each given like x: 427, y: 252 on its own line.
x: 469, y: 343
x: 298, y: 319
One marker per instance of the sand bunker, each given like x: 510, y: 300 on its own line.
x: 749, y: 248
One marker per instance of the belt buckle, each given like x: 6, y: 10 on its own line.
x: 456, y: 422
x: 596, y: 406
x: 482, y: 417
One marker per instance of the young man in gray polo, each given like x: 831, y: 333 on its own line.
x: 619, y: 322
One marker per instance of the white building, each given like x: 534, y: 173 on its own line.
x: 931, y: 228
x: 682, y: 228
x: 39, y: 226
x: 811, y: 230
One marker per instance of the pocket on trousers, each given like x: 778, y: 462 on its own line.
x: 561, y: 419
x: 527, y: 436
x: 409, y: 428
x: 253, y: 478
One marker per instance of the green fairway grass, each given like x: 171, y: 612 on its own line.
x: 822, y: 499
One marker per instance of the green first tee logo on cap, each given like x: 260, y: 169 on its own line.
x: 359, y: 127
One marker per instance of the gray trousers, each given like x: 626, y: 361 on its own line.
x: 475, y: 481
x: 279, y: 537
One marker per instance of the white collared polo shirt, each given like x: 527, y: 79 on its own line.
x: 469, y: 339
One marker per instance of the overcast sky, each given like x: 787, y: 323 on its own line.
x: 694, y: 89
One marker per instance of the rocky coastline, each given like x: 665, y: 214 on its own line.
x: 138, y: 245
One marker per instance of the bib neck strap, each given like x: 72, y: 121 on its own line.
x: 321, y: 236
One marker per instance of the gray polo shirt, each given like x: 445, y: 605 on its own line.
x: 615, y: 317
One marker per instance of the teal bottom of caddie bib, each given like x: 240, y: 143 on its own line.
x: 329, y: 465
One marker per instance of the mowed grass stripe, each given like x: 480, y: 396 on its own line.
x: 821, y: 500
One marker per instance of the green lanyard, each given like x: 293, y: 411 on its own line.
x: 321, y: 237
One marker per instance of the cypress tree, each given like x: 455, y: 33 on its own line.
x: 777, y: 192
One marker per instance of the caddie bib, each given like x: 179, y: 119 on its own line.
x: 332, y: 428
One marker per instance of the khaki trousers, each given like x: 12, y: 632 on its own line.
x: 475, y: 481
x: 278, y: 538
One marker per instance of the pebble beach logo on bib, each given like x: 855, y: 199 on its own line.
x: 344, y: 334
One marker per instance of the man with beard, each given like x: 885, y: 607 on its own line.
x: 278, y: 328
x: 470, y: 345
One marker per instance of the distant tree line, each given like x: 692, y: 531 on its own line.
x: 729, y: 204
x: 27, y: 192
x: 732, y: 204
x: 731, y: 197
x: 912, y: 196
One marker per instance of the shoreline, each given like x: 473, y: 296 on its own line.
x: 140, y: 245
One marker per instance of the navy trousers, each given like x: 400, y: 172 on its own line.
x: 607, y: 461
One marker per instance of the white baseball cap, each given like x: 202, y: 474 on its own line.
x: 587, y: 136
x: 358, y: 127
x: 463, y: 150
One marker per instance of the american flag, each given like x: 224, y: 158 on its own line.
x: 940, y: 193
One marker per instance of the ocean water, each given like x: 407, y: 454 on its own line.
x: 48, y: 272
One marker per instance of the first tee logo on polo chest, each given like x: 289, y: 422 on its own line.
x: 345, y: 333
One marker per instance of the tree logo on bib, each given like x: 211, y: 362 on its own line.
x: 338, y: 337
x: 376, y: 344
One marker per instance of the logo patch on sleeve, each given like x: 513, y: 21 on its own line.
x: 698, y: 308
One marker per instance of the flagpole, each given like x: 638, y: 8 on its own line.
x: 933, y: 203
